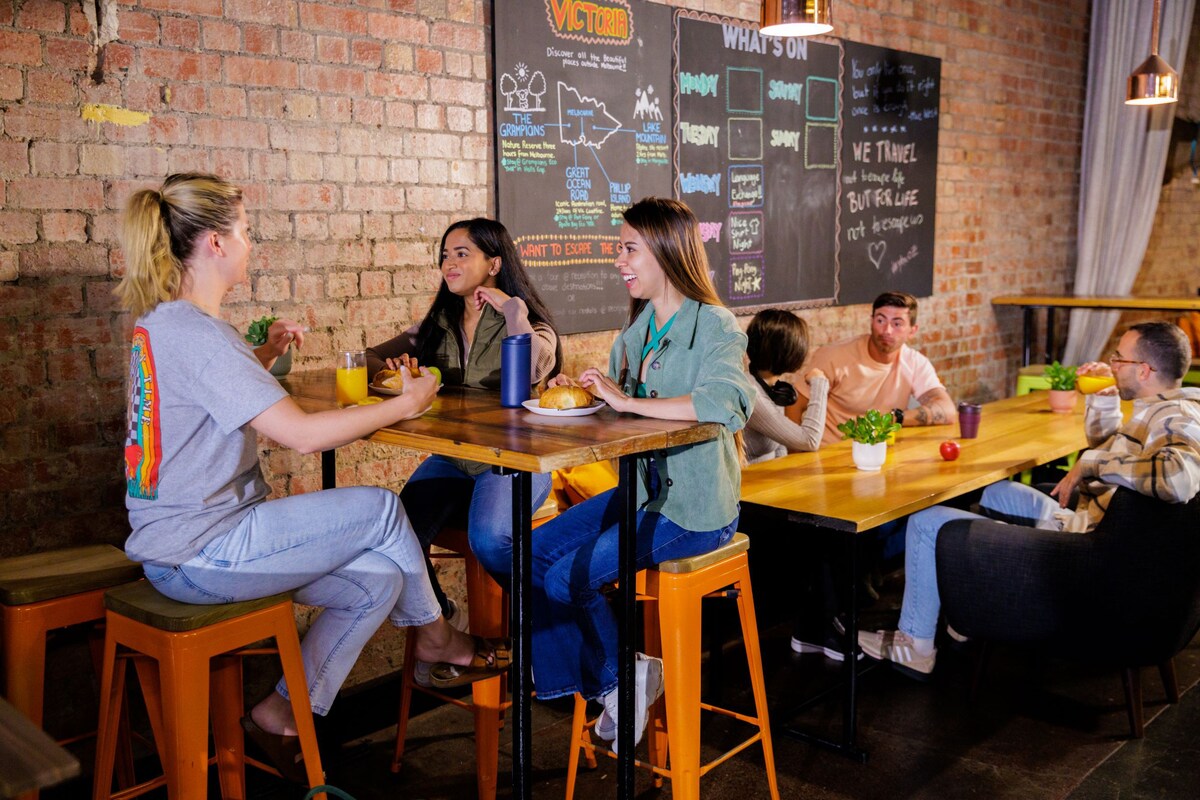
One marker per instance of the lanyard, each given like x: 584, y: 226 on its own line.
x: 656, y: 335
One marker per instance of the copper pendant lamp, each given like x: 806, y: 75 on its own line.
x: 1154, y: 82
x: 795, y: 18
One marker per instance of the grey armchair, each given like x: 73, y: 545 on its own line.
x: 1133, y: 582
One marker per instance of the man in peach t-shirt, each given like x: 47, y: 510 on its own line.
x: 879, y: 370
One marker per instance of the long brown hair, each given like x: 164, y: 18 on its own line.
x: 672, y: 233
x: 159, y: 233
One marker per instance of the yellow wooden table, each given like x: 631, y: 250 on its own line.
x: 825, y: 489
x: 1098, y: 303
x: 471, y: 424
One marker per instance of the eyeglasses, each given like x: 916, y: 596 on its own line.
x: 1113, y: 359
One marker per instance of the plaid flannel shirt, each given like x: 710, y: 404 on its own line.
x: 1156, y: 453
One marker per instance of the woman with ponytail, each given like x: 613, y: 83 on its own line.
x: 202, y: 526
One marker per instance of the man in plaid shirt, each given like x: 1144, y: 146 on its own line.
x: 1156, y: 453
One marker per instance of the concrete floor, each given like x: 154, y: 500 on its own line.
x: 1041, y: 728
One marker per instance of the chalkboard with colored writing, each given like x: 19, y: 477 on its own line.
x: 583, y: 127
x: 756, y: 155
x: 889, y: 172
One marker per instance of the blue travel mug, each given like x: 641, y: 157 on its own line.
x: 514, y: 370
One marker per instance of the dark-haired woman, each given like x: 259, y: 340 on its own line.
x: 202, y: 526
x: 485, y: 296
x: 777, y: 345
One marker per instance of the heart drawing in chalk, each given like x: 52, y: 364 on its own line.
x: 875, y: 252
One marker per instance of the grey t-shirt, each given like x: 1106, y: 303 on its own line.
x: 191, y: 458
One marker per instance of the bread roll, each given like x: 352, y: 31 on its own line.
x: 391, y: 379
x: 564, y: 397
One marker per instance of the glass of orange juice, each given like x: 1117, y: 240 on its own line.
x: 1089, y: 384
x: 351, y: 377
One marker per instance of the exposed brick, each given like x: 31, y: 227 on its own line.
x: 297, y: 44
x: 261, y: 39
x: 52, y: 88
x: 99, y: 159
x: 333, y: 49
x: 229, y: 133
x: 336, y: 109
x: 397, y: 28
x: 336, y: 80
x: 261, y: 72
x: 14, y: 159
x: 318, y: 17
x: 54, y: 158
x: 217, y: 34
x: 179, y: 32
x: 137, y: 27
x: 12, y: 84
x: 203, y: 8
x: 18, y: 227
x: 366, y: 53
x: 458, y: 37
x: 20, y: 48
x: 43, y: 15
x: 428, y: 60
x: 341, y: 284
x: 64, y: 227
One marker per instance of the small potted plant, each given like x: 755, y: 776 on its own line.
x: 256, y: 335
x: 1062, y: 387
x: 868, y: 435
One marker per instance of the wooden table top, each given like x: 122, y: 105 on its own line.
x: 1100, y: 302
x: 471, y: 424
x: 29, y: 758
x: 826, y: 489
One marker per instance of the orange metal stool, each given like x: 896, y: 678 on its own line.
x: 679, y: 586
x: 486, y: 606
x: 182, y: 653
x: 42, y: 592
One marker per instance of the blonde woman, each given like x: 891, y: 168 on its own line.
x: 202, y: 526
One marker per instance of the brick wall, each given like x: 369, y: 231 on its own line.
x: 359, y: 130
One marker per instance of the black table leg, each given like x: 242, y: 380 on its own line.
x: 848, y: 746
x: 522, y: 634
x: 328, y: 469
x: 1050, y: 349
x: 627, y: 627
x: 1027, y: 343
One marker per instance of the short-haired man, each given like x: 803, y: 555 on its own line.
x: 1156, y: 453
x: 879, y: 370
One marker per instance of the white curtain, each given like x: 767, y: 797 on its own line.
x: 1124, y: 153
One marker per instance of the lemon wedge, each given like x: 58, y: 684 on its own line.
x: 369, y: 401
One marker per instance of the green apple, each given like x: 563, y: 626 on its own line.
x: 437, y: 373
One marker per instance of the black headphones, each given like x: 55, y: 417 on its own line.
x: 781, y: 394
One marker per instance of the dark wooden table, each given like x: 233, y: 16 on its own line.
x: 471, y: 424
x: 1096, y: 303
x: 29, y: 758
x: 826, y: 490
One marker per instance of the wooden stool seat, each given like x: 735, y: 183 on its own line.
x: 679, y: 586
x: 58, y: 573
x: 184, y: 654
x: 42, y: 592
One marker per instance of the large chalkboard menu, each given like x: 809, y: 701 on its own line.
x: 811, y: 163
x: 583, y: 127
x: 889, y: 172
x: 757, y: 156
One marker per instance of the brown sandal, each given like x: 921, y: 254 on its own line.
x: 283, y: 752
x: 492, y: 657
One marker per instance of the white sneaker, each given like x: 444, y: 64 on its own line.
x: 897, y: 647
x: 459, y: 621
x: 648, y: 672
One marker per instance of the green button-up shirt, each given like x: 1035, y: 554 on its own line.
x: 701, y: 357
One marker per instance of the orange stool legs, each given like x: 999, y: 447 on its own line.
x: 177, y: 686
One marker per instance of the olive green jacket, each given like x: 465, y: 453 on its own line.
x: 701, y: 356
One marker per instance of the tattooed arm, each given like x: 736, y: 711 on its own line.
x: 936, y: 408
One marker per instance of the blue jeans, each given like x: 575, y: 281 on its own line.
x: 438, y: 488
x: 922, y: 604
x: 350, y: 551
x: 574, y: 556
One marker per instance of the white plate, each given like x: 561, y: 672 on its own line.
x: 532, y: 405
x: 385, y: 390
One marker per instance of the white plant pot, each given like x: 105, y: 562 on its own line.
x: 868, y: 457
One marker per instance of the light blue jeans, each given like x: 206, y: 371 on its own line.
x: 438, y: 487
x: 922, y: 604
x: 350, y: 551
x: 574, y: 556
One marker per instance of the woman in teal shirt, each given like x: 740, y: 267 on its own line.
x: 680, y: 357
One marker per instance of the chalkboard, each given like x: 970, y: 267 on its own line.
x: 756, y: 156
x: 583, y: 126
x: 889, y: 172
